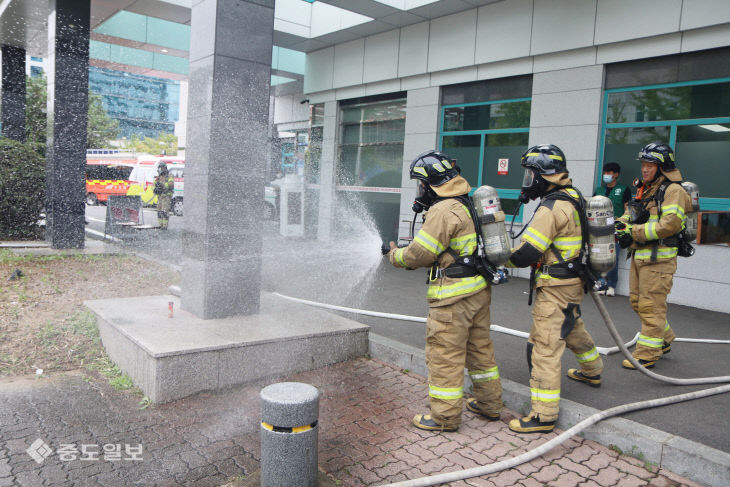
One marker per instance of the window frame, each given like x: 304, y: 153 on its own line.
x: 506, y: 193
x: 706, y: 204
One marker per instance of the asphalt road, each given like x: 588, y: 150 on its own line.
x: 96, y: 217
x: 350, y: 274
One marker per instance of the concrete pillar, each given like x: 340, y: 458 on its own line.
x: 421, y: 134
x: 325, y: 221
x: 67, y: 108
x: 228, y: 111
x: 566, y: 111
x: 13, y: 92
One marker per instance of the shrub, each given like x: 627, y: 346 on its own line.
x: 22, y: 190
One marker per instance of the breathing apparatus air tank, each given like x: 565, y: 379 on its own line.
x: 690, y: 224
x: 491, y: 221
x: 601, y: 241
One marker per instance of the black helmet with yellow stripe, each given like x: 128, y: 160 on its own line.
x: 658, y: 153
x: 433, y: 168
x: 539, y: 161
x: 545, y: 159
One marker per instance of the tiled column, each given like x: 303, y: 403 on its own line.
x: 67, y: 109
x: 421, y: 134
x: 566, y: 111
x: 228, y: 111
x: 13, y: 92
x: 327, y: 173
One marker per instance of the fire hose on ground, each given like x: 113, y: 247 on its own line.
x: 496, y: 328
x: 549, y: 445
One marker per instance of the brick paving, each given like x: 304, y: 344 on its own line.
x: 205, y: 440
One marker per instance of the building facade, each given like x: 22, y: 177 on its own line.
x: 599, y: 79
x: 144, y: 106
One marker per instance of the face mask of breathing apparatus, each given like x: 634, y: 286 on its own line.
x: 533, y: 186
x: 425, y: 196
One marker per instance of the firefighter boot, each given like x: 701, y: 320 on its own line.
x: 473, y: 406
x: 647, y: 364
x: 426, y: 422
x: 591, y: 380
x: 531, y: 424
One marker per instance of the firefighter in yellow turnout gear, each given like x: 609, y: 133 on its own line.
x: 552, y: 245
x: 458, y: 321
x: 164, y: 188
x: 652, y: 227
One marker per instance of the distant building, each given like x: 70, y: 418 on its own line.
x: 144, y: 106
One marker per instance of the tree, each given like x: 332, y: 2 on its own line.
x: 35, y: 109
x: 22, y: 189
x: 163, y: 142
x: 100, y: 128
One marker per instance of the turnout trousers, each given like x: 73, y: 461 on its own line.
x: 457, y: 336
x: 164, y: 205
x: 556, y: 325
x: 649, y: 285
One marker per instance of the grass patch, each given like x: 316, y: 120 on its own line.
x: 84, y: 323
x: 121, y: 383
x: 9, y: 257
x: 114, y: 375
x: 44, y: 323
x: 49, y: 335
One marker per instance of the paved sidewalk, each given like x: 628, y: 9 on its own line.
x: 365, y: 436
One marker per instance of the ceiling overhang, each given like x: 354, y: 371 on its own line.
x: 299, y: 25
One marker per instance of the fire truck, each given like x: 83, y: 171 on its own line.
x: 107, y: 173
x: 115, y: 172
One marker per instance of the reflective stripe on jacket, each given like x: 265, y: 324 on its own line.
x: 448, y: 225
x: 556, y: 224
x: 673, y: 218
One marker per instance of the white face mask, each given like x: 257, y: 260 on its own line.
x: 607, y: 178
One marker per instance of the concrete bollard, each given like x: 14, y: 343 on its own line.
x: 289, y: 413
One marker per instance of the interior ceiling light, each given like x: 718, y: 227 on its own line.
x: 164, y: 50
x: 715, y: 128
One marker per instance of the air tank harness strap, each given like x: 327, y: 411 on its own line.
x: 463, y: 266
x: 533, y: 271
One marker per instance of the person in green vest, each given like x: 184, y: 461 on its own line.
x: 619, y: 194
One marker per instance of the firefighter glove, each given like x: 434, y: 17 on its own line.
x: 622, y: 228
x: 623, y: 234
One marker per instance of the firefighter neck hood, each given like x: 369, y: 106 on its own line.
x: 559, y: 179
x: 672, y: 175
x: 453, y: 187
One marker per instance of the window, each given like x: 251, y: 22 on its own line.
x: 370, y: 162
x: 693, y: 117
x: 108, y: 172
x: 488, y: 127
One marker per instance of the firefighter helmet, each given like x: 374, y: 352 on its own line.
x: 538, y: 161
x: 545, y: 159
x: 162, y: 168
x: 433, y: 168
x: 659, y: 153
